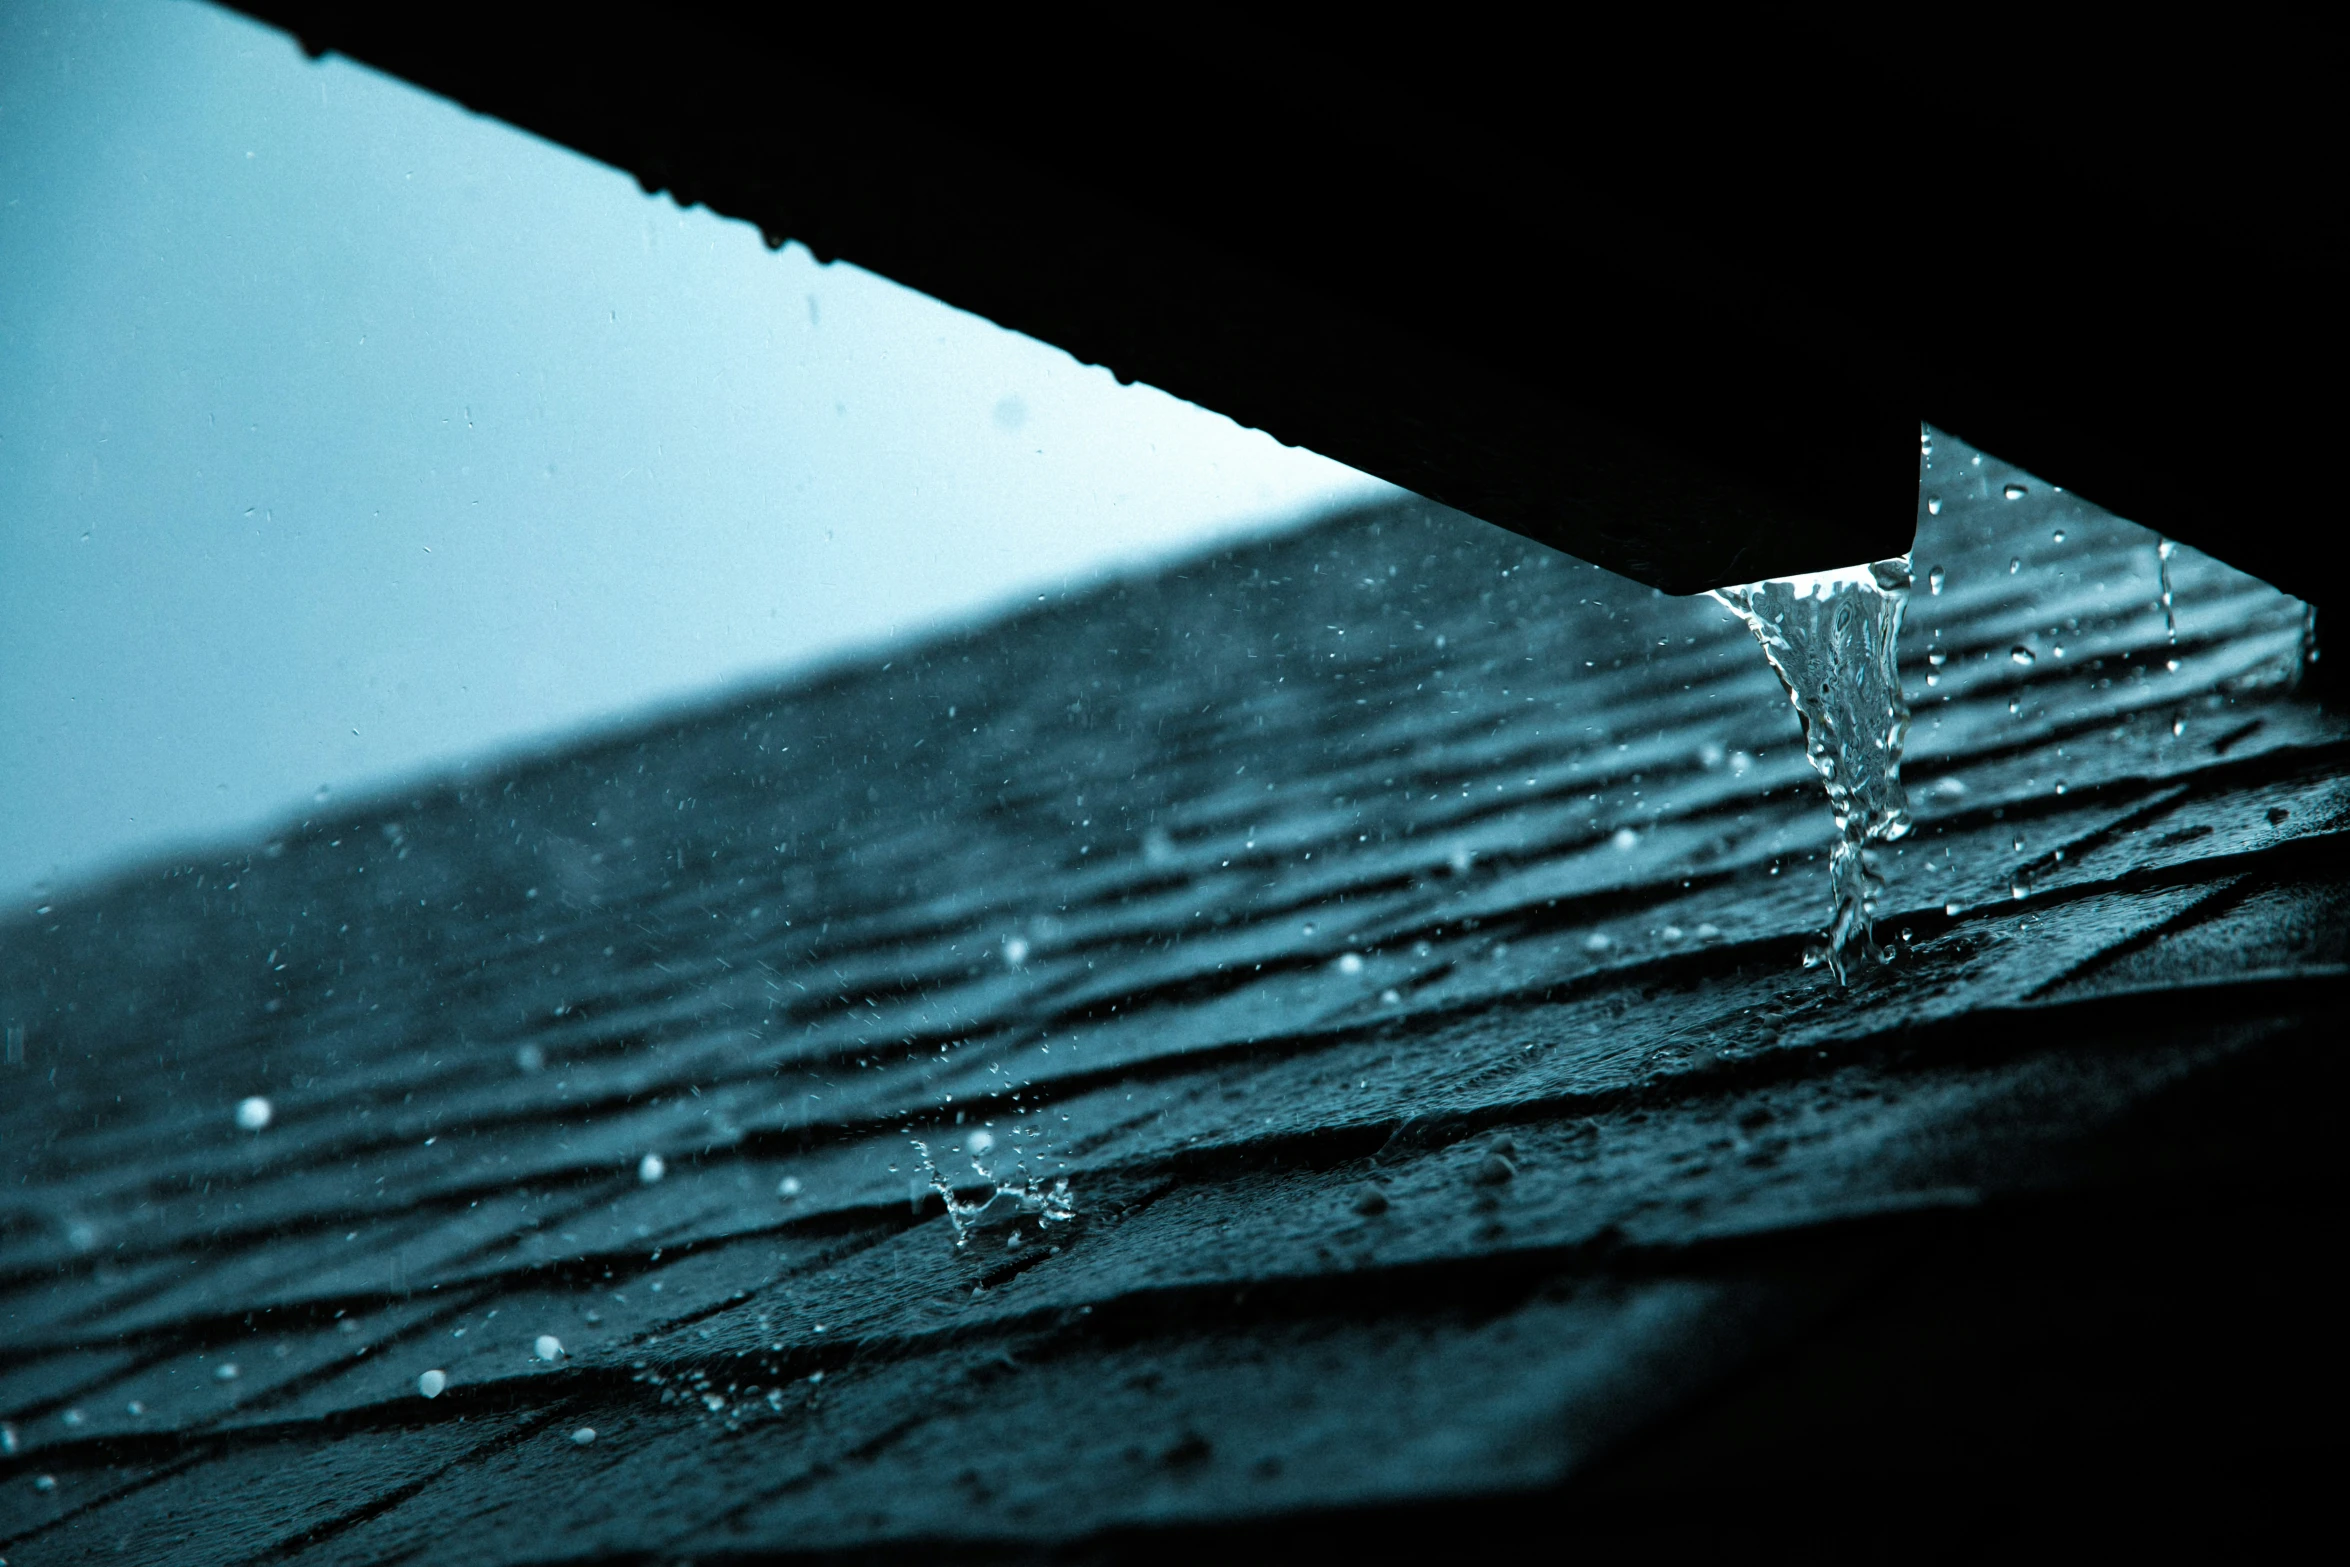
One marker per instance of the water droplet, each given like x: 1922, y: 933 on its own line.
x: 226, y: 1371
x: 2171, y: 665
x: 2057, y: 649
x: 73, y: 1417
x: 547, y: 1347
x: 788, y: 1187
x: 1368, y: 1200
x: 2057, y: 536
x: 2015, y: 706
x: 529, y: 1058
x: 1350, y: 963
x: 2014, y: 491
x: 2015, y: 563
x: 1937, y: 658
x: 432, y: 1383
x: 2019, y: 843
x: 2178, y: 726
x: 2021, y: 887
x: 253, y: 1114
x: 1935, y: 579
x: 2060, y: 786
x: 44, y: 1482
x: 585, y: 1436
x: 322, y: 794
x: 1310, y: 927
x: 1933, y: 505
x: 713, y: 1402
x: 7, y: 1438
x: 980, y: 1141
x: 2021, y: 654
x: 1598, y: 941
x: 650, y: 1168
x: 1951, y: 908
x: 1015, y: 950
x: 1625, y: 839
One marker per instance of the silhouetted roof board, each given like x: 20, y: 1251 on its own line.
x: 1670, y: 298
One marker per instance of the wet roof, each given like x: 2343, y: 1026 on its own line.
x: 1393, y: 934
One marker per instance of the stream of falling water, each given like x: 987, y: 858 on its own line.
x: 1831, y: 639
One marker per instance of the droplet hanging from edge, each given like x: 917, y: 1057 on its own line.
x: 432, y: 1383
x: 2014, y: 491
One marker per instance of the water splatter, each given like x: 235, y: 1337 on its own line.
x: 2170, y: 619
x: 1025, y: 1198
x: 1831, y: 639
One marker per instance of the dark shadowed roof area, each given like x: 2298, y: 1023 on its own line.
x: 1392, y: 934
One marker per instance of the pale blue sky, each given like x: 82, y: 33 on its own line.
x: 346, y: 436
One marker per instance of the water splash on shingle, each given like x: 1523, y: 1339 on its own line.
x: 1008, y: 1201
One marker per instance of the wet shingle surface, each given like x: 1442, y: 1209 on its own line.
x: 1392, y: 933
